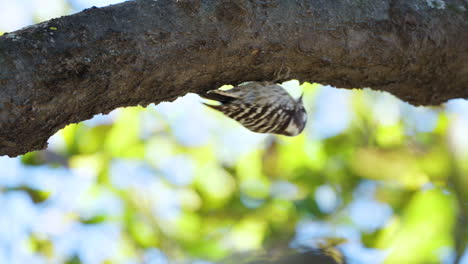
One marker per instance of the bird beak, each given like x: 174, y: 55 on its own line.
x: 300, y: 98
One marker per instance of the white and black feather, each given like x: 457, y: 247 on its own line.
x: 262, y: 107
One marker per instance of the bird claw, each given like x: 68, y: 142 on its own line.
x: 279, y: 75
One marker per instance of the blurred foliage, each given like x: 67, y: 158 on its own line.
x: 165, y: 184
x: 380, y: 180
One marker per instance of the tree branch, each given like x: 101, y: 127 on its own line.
x: 68, y: 69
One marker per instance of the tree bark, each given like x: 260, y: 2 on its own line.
x: 68, y: 69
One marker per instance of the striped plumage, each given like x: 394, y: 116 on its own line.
x: 262, y: 107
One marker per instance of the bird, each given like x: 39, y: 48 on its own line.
x: 261, y: 107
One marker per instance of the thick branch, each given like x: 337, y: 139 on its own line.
x: 68, y: 69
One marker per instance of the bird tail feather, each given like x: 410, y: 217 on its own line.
x: 220, y: 96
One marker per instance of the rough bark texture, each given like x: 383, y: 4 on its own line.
x: 68, y: 69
